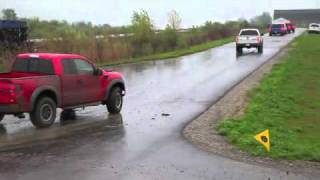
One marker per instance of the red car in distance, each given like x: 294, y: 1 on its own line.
x: 290, y: 27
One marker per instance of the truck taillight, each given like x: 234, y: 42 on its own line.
x: 9, y: 92
x: 13, y: 88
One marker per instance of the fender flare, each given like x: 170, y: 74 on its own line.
x: 113, y: 83
x: 40, y: 90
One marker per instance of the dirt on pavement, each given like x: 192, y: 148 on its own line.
x: 202, y: 131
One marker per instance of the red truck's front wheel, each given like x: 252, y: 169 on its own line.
x: 44, y: 113
x: 114, y: 103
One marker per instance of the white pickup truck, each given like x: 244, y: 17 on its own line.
x: 249, y: 38
x: 314, y: 28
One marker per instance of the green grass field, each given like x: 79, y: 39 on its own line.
x: 287, y: 102
x: 176, y: 53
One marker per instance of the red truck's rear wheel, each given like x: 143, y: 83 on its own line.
x: 114, y: 103
x: 239, y: 50
x: 44, y: 113
x: 260, y: 49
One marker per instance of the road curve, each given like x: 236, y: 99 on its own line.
x: 145, y: 141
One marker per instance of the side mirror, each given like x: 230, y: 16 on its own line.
x: 97, y: 72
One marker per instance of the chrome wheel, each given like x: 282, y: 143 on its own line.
x: 46, y: 112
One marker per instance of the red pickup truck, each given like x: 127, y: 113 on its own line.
x: 39, y: 83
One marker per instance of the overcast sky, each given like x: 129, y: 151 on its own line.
x: 119, y: 12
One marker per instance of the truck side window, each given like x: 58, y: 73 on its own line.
x: 33, y: 65
x: 69, y: 67
x: 83, y: 67
x: 41, y: 66
x: 20, y: 65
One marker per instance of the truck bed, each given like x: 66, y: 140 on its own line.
x: 23, y: 86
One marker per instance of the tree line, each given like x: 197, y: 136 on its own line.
x: 104, y: 43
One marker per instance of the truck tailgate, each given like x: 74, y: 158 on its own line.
x: 19, y: 90
x: 248, y: 39
x: 6, y: 91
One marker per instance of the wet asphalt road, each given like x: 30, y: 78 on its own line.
x: 145, y: 141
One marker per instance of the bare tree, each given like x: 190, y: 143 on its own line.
x: 174, y: 20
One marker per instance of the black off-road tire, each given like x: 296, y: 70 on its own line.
x: 115, y: 100
x: 44, y: 113
x: 239, y: 50
x: 1, y: 117
x: 260, y: 49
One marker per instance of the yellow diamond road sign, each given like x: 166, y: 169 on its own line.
x: 264, y: 139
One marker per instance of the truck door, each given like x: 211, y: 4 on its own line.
x: 91, y: 84
x: 72, y: 84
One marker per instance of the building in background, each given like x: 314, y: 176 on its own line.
x: 299, y: 17
x: 13, y: 31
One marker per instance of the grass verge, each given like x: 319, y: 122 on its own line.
x: 287, y: 102
x: 168, y: 55
x: 176, y: 53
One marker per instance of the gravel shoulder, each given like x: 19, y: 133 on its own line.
x: 201, y: 131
